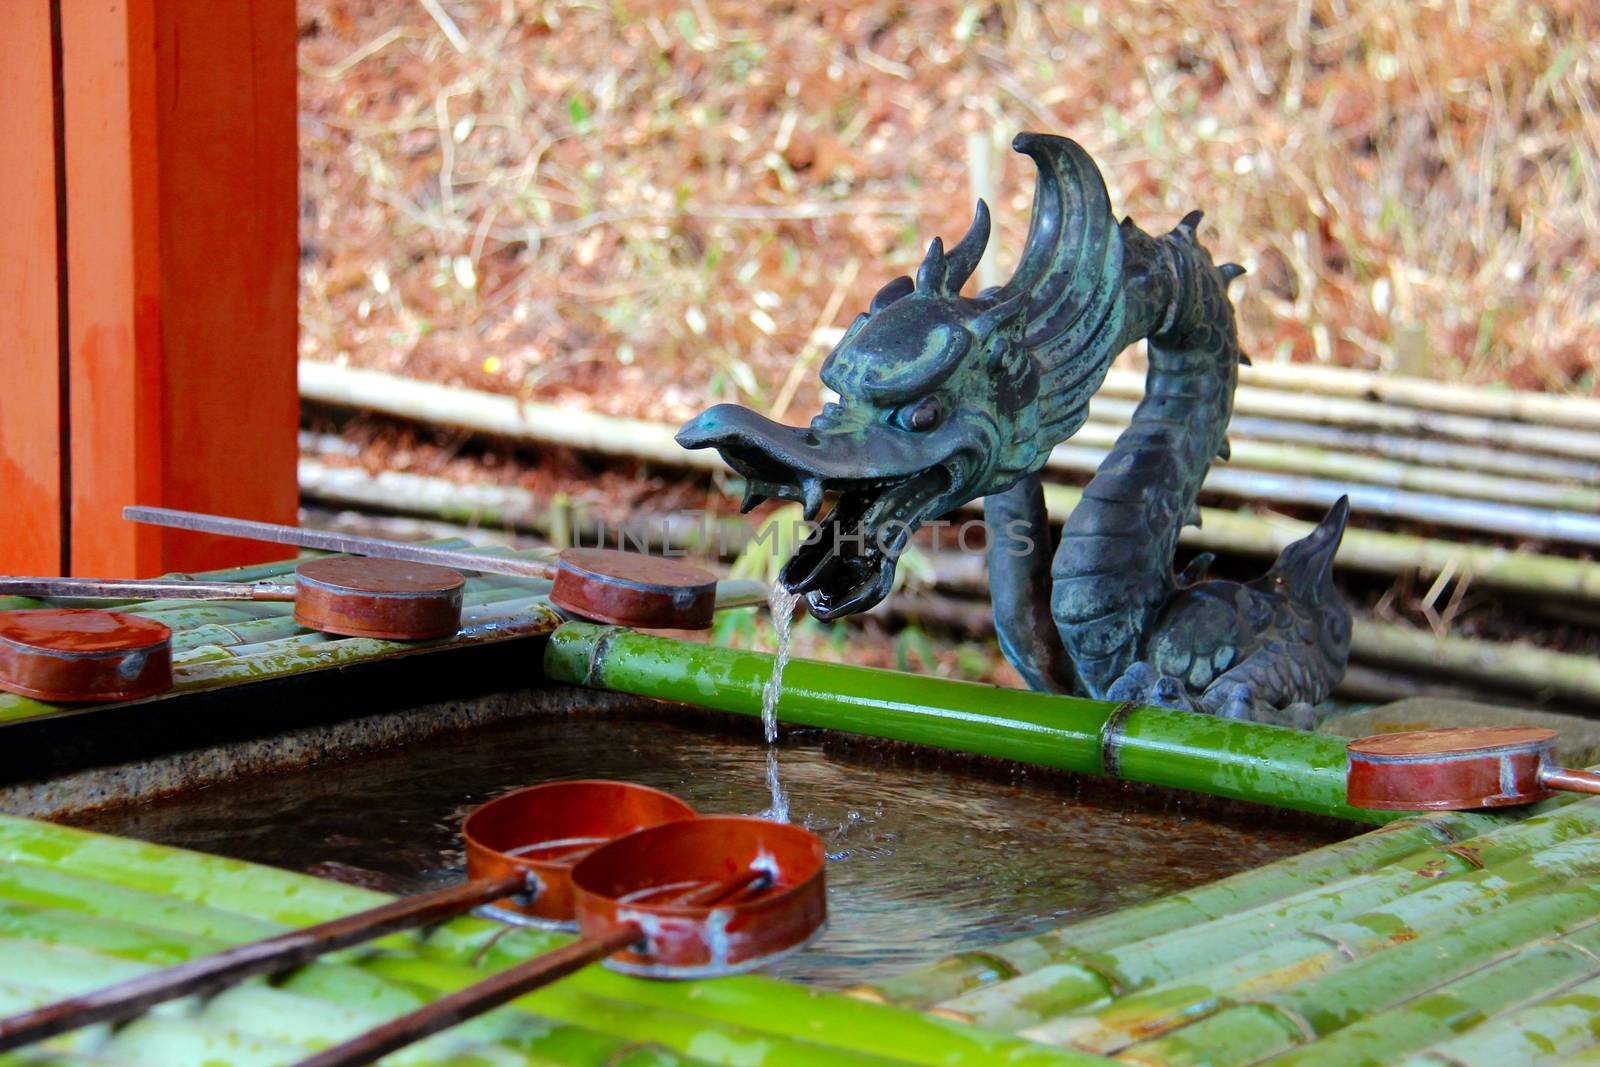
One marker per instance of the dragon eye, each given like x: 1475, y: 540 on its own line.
x: 921, y: 416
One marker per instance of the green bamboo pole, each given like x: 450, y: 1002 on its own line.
x: 291, y: 899
x: 1279, y: 1022
x: 1362, y: 854
x: 1201, y: 753
x: 1561, y: 871
x: 1088, y: 971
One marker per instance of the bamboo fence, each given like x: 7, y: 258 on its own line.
x: 1513, y: 570
x: 1541, y: 673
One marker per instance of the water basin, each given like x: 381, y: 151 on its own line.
x: 928, y: 854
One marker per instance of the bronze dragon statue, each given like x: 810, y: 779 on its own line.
x: 944, y: 399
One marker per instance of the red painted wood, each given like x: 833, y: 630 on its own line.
x: 30, y: 431
x: 181, y: 265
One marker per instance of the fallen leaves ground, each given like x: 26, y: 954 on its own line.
x: 645, y: 207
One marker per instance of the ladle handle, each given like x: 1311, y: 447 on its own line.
x: 1570, y: 780
x: 144, y: 589
x: 269, y: 956
x: 474, y: 1000
x: 351, y: 544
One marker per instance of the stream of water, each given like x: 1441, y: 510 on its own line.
x: 781, y: 603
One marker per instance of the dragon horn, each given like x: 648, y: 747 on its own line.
x: 935, y: 269
x: 1071, y: 264
x: 963, y: 258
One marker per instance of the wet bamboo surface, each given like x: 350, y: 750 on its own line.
x: 1459, y: 938
x: 80, y: 910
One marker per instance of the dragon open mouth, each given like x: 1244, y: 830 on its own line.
x: 884, y: 484
x: 848, y: 563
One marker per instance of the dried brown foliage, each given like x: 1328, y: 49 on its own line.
x: 641, y: 207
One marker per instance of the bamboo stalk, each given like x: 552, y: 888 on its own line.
x: 491, y: 413
x: 506, y: 416
x: 1280, y: 1022
x: 1582, y: 442
x: 1094, y: 438
x: 1536, y: 1033
x: 1559, y: 876
x: 554, y: 1042
x: 1516, y: 666
x: 1383, y: 1037
x: 1492, y: 516
x: 1085, y: 971
x: 760, y: 1018
x: 1419, y: 450
x: 1579, y: 412
x: 1383, y: 553
x: 512, y: 507
x: 1201, y: 753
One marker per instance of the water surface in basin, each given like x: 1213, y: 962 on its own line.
x: 928, y: 857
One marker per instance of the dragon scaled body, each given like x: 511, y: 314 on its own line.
x: 944, y: 399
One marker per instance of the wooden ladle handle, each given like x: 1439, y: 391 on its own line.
x: 1572, y: 781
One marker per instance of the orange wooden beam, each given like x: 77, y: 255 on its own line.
x: 31, y: 470
x: 179, y: 127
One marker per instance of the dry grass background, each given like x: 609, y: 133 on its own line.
x: 642, y: 207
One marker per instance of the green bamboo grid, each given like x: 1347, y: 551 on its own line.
x: 80, y: 910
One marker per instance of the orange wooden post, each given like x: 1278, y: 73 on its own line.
x: 174, y: 145
x: 31, y: 533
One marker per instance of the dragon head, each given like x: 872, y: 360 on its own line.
x: 942, y: 398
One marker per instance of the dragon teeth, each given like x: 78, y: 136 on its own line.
x: 752, y: 498
x: 811, y: 488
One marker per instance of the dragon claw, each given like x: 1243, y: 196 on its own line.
x: 1143, y: 683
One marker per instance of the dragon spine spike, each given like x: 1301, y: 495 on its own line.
x: 1230, y: 271
x: 963, y: 259
x: 892, y: 291
x: 1190, y: 224
x: 934, y: 270
x: 1001, y: 316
